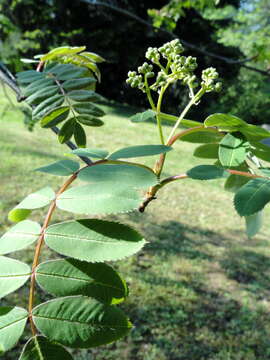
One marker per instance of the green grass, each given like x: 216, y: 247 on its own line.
x: 199, y: 289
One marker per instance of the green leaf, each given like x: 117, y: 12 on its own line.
x: 225, y: 122
x: 74, y: 84
x: 252, y: 197
x: 42, y: 94
x: 29, y: 76
x: 47, y: 105
x: 40, y: 348
x: 37, y: 85
x: 94, y: 57
x: 13, y: 274
x: 73, y: 277
x: 88, y: 108
x: 119, y: 176
x: 234, y: 182
x: 93, y: 240
x: 261, y: 154
x: 232, y: 150
x: 137, y: 151
x: 61, y: 51
x: 207, y: 172
x: 255, y: 133
x: 89, y: 120
x: 36, y: 200
x: 253, y: 224
x: 98, y: 199
x: 80, y: 322
x: 55, y: 116
x: 202, y: 136
x: 84, y: 95
x: 79, y: 135
x: 207, y: 151
x: 66, y: 131
x: 60, y: 168
x: 19, y: 236
x: 94, y: 153
x: 68, y: 71
x: 143, y: 116
x: 12, y: 324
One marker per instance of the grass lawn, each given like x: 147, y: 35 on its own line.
x: 198, y: 290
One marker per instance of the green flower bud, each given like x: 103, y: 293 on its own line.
x: 153, y: 55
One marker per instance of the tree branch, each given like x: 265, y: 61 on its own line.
x: 173, y: 36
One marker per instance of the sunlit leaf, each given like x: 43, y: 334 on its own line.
x: 94, y: 153
x: 225, y: 122
x: 13, y: 274
x: 73, y: 277
x: 232, y: 150
x: 93, y: 240
x: 98, y: 199
x: 61, y: 51
x: 252, y: 197
x: 120, y: 176
x: 80, y: 322
x: 137, y: 151
x: 19, y: 236
x: 36, y: 200
x: 41, y: 348
x: 60, y: 168
x: 55, y: 116
x: 12, y: 324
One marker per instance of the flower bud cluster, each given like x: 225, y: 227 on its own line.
x: 209, y: 77
x: 135, y: 80
x: 171, y: 49
x: 178, y: 67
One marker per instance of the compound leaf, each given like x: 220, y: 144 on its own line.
x: 93, y: 240
x: 252, y: 197
x: 60, y: 168
x: 73, y: 277
x: 137, y: 151
x: 12, y: 324
x: 36, y: 200
x: 40, y: 348
x: 13, y: 274
x: 19, y: 236
x: 98, y: 199
x: 80, y: 322
x: 207, y: 172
